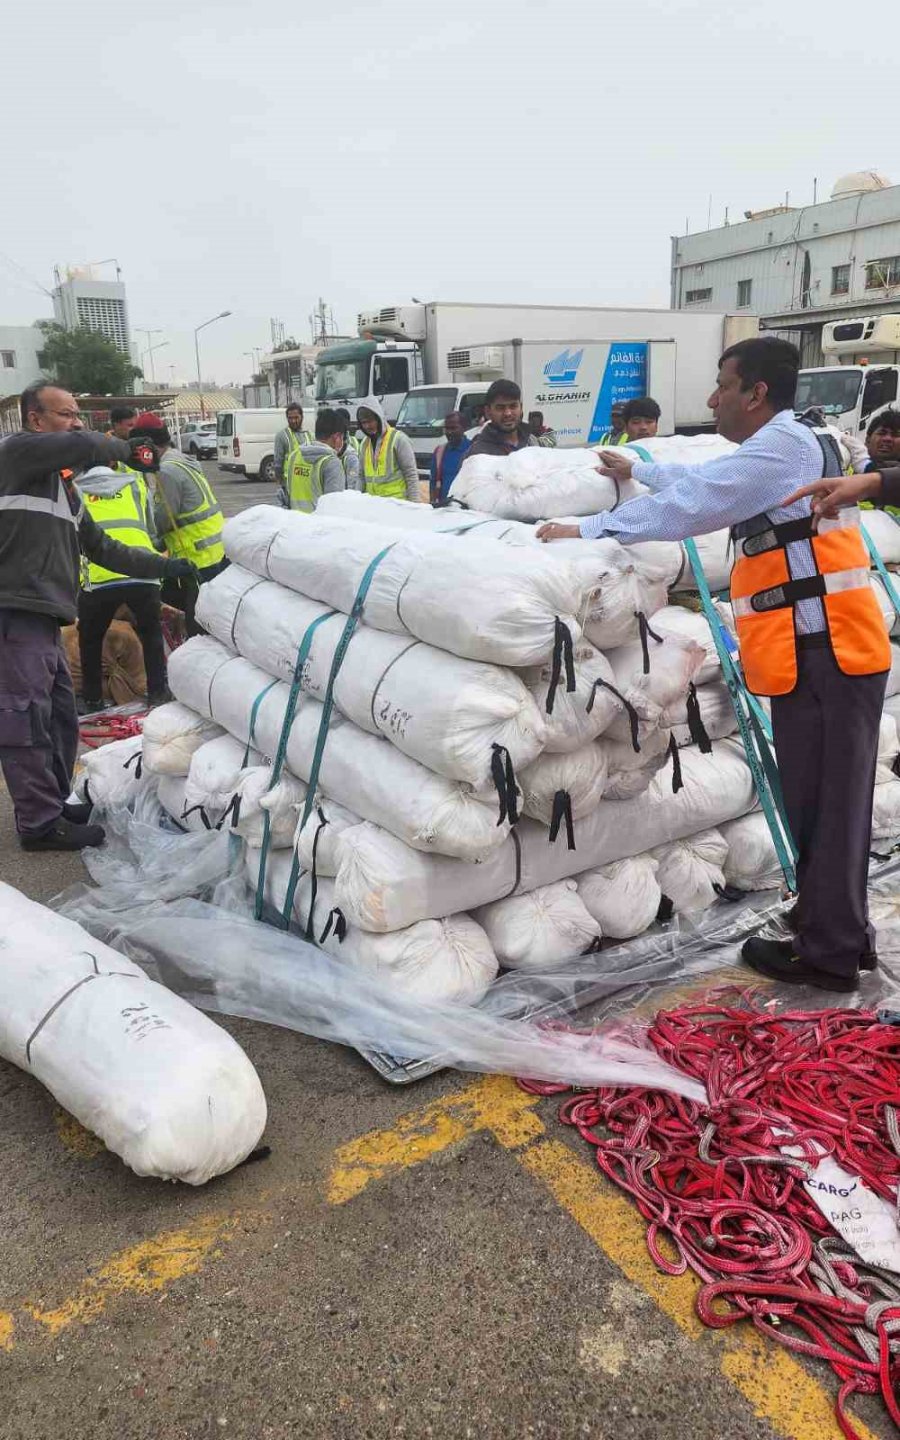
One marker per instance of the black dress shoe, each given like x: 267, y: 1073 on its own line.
x: 63, y: 835
x: 86, y: 706
x: 776, y: 959
x: 868, y: 960
x: 77, y: 812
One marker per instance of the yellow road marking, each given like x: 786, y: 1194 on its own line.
x: 776, y: 1385
x: 7, y: 1326
x: 75, y: 1138
x: 141, y: 1269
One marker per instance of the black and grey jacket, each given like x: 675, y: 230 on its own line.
x: 43, y: 527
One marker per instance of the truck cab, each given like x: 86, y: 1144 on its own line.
x: 848, y: 395
x: 355, y: 371
x: 422, y: 413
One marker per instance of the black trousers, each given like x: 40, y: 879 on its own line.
x: 182, y: 594
x: 96, y: 611
x: 38, y: 718
x: 826, y: 743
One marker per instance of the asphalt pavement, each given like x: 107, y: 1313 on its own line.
x: 439, y: 1260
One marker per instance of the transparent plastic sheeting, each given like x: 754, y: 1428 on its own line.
x: 214, y: 954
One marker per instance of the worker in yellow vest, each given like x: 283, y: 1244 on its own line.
x: 187, y: 516
x: 119, y: 502
x: 289, y: 440
x: 387, y: 459
x: 316, y: 469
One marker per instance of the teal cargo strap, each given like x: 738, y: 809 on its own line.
x: 753, y: 727
x: 290, y: 712
x: 254, y: 715
x: 883, y: 573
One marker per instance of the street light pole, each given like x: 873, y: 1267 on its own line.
x: 221, y: 316
x: 144, y: 330
x: 149, y: 351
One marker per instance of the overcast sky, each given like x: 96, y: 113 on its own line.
x: 251, y: 157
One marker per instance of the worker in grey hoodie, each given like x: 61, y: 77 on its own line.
x: 315, y: 470
x: 387, y: 461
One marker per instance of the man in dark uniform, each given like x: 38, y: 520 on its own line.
x: 43, y: 534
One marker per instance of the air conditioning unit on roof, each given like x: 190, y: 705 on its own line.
x: 477, y: 359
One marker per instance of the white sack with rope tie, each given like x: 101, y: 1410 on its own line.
x: 538, y: 483
x: 162, y: 1086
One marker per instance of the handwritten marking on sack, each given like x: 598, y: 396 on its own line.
x: 141, y: 1021
x: 776, y: 1385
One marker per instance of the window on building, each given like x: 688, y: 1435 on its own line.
x: 8, y: 359
x: 881, y: 273
x: 840, y: 279
x: 697, y: 297
x: 745, y: 290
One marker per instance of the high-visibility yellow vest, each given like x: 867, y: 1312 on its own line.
x: 122, y: 517
x: 295, y: 438
x: 608, y: 439
x: 380, y: 472
x: 197, y: 535
x: 304, y: 480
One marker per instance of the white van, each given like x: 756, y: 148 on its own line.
x: 245, y: 439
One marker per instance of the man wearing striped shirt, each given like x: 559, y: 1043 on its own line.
x: 826, y: 724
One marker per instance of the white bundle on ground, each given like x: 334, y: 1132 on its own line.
x: 690, y: 625
x: 630, y: 771
x: 715, y: 710
x: 433, y: 960
x: 624, y: 897
x: 752, y: 860
x: 161, y: 1085
x: 885, y: 532
x: 212, y: 783
x: 690, y: 871
x: 623, y: 580
x: 172, y: 733
x: 579, y: 715
x: 444, y: 711
x: 361, y: 771
x: 681, y: 449
x: 481, y: 600
x: 318, y: 841
x: 385, y: 885
x: 541, y: 928
x: 578, y: 775
x: 112, y: 774
x: 170, y: 794
x: 539, y: 483
x: 258, y: 797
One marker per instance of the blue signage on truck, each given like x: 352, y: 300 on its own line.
x: 624, y: 379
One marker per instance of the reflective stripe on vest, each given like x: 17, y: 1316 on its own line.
x: 122, y: 517
x: 196, y: 535
x: 37, y: 505
x: 304, y: 485
x: 764, y: 596
x: 379, y: 468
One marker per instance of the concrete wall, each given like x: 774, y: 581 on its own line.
x: 20, y: 343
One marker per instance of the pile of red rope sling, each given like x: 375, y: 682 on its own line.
x: 713, y: 1182
x: 96, y: 730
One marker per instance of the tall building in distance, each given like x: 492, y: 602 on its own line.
x: 80, y: 300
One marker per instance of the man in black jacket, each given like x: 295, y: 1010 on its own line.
x: 505, y: 430
x: 43, y: 533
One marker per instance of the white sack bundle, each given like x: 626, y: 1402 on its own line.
x: 752, y: 860
x: 499, y: 603
x: 162, y: 1086
x: 171, y: 735
x: 170, y: 794
x: 681, y: 449
x: 630, y: 771
x: 886, y: 811
x: 538, y: 483
x: 662, y: 671
x: 716, y: 556
x: 624, y: 897
x: 433, y: 960
x: 544, y: 927
x: 318, y: 841
x: 690, y: 625
x: 384, y: 885
x: 579, y: 776
x: 715, y: 711
x: 112, y: 774
x: 361, y: 771
x: 885, y: 532
x: 621, y: 580
x: 691, y: 871
x: 213, y: 779
x: 257, y: 797
x: 445, y: 712
x: 582, y: 714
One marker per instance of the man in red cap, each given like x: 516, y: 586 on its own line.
x: 188, y: 517
x: 45, y: 530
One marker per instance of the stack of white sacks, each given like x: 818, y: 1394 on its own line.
x: 496, y: 693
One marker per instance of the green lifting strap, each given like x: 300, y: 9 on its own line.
x: 883, y: 573
x: 754, y: 730
x: 290, y: 712
x: 254, y: 715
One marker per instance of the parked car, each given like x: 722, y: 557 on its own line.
x: 199, y: 439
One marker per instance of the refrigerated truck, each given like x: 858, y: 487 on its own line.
x: 865, y: 378
x: 438, y: 343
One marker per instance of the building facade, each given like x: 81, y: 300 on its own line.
x: 80, y: 301
x: 799, y: 268
x: 20, y: 346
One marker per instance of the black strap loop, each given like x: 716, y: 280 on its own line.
x: 562, y: 811
x: 504, y: 778
x: 314, y: 874
x: 698, y: 731
x: 563, y: 652
x: 337, y: 922
x: 633, y: 717
x: 666, y: 910
x: 730, y: 893
x: 677, y: 778
x: 127, y: 764
x: 595, y: 946
x: 644, y: 633
x: 185, y: 815
x: 231, y: 812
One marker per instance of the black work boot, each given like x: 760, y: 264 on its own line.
x: 868, y: 960
x: 776, y: 959
x: 86, y: 706
x: 78, y: 812
x: 63, y: 835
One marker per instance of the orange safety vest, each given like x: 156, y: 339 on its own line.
x: 763, y: 597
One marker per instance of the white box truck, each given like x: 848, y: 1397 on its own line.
x: 861, y: 383
x: 245, y: 439
x: 600, y: 354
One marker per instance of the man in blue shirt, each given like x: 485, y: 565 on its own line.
x: 447, y: 459
x: 824, y: 663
